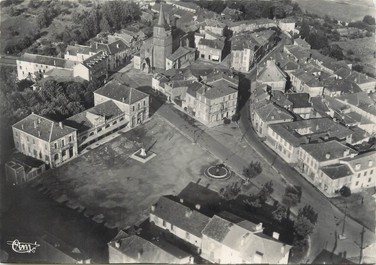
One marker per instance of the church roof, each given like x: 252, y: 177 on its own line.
x: 161, y: 20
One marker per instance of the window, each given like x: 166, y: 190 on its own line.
x: 55, y: 145
x: 62, y: 142
x: 144, y: 102
x: 46, y: 158
x: 114, y: 122
x: 20, y: 66
x: 91, y: 134
x: 138, y: 106
x: 356, y: 183
x: 100, y: 129
x: 371, y: 172
x: 56, y: 157
x: 365, y: 173
x: 70, y: 139
x: 45, y: 146
x: 164, y: 223
x: 358, y: 175
x: 27, y: 138
x: 172, y: 227
x: 369, y: 180
x: 108, y: 125
x: 15, y: 132
x: 132, y: 108
x: 33, y: 141
x: 122, y: 118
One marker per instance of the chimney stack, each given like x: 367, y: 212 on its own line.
x: 22, y: 126
x: 198, y: 206
x: 60, y: 124
x: 117, y: 244
x: 188, y: 213
x: 153, y: 208
x: 35, y: 124
x: 38, y: 133
x: 327, y: 156
x: 276, y: 235
x: 181, y: 200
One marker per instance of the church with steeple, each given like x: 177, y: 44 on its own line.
x: 166, y: 49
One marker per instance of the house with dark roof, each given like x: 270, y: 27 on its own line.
x: 336, y: 87
x: 302, y: 43
x: 180, y: 220
x: 117, y: 52
x: 224, y: 241
x: 46, y: 140
x: 94, y: 67
x: 286, y: 138
x: 332, y: 178
x: 314, y: 156
x: 136, y: 249
x: 77, y: 53
x: 301, y: 105
x: 212, y: 101
x: 181, y: 58
x: 211, y: 49
x: 306, y: 81
x: 134, y: 103
x: 268, y: 113
x: 231, y: 14
x: 97, y: 122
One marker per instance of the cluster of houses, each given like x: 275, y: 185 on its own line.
x: 179, y: 233
x: 116, y: 107
x: 318, y: 115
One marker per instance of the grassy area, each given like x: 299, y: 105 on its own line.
x: 344, y: 10
x: 106, y: 181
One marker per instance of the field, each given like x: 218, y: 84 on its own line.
x: 344, y: 10
x: 106, y: 181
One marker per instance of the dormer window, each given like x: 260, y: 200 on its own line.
x: 370, y: 163
x: 357, y: 166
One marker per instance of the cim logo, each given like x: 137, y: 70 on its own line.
x: 23, y: 247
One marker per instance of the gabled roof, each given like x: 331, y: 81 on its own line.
x: 215, y: 44
x: 341, y: 85
x: 361, y: 100
x: 217, y: 89
x: 78, y: 49
x: 93, y: 60
x: 43, y: 128
x: 328, y: 150
x: 272, y: 113
x: 271, y: 73
x: 244, y: 240
x: 144, y: 251
x: 180, y: 215
x: 121, y: 92
x: 299, y: 100
x: 82, y: 121
x: 180, y: 52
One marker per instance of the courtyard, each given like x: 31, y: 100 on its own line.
x: 106, y: 182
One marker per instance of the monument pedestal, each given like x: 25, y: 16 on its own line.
x: 142, y: 156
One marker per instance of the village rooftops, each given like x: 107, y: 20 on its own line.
x: 301, y: 42
x: 328, y: 150
x: 242, y: 238
x: 215, y: 44
x: 361, y: 100
x: 299, y: 100
x: 298, y: 52
x: 46, y: 60
x: 121, y: 92
x: 111, y: 48
x: 217, y: 76
x: 43, y: 128
x: 145, y: 251
x: 190, y: 5
x: 216, y: 90
x: 337, y: 171
x: 362, y: 162
x: 319, y: 105
x: 341, y: 85
x: 241, y: 41
x: 85, y: 120
x: 180, y: 215
x: 271, y: 112
x: 305, y: 131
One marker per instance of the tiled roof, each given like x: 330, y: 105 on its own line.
x: 301, y: 42
x: 43, y: 128
x: 78, y: 49
x: 244, y: 240
x: 193, y: 88
x: 319, y: 105
x: 217, y: 89
x: 144, y: 251
x: 279, y: 98
x: 180, y: 216
x: 341, y: 85
x: 221, y: 76
x: 361, y: 100
x: 272, y: 112
x: 47, y: 60
x: 82, y: 121
x: 335, y: 149
x: 299, y: 100
x: 364, y: 161
x: 298, y: 52
x: 93, y: 60
x: 180, y: 52
x: 120, y: 92
x: 337, y: 171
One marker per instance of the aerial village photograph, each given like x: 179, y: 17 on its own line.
x: 188, y: 132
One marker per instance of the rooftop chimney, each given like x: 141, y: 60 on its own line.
x: 38, y: 133
x: 198, y: 206
x: 153, y: 208
x: 327, y: 156
x: 22, y: 126
x: 117, y: 244
x: 276, y: 235
x: 259, y: 227
x: 61, y: 125
x: 54, y: 62
x: 181, y: 200
x: 188, y: 213
x: 35, y: 124
x: 139, y: 253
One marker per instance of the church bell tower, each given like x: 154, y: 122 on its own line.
x: 162, y: 42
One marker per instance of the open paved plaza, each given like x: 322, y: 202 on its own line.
x: 106, y: 181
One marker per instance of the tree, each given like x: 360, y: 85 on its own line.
x: 253, y: 170
x: 308, y: 212
x: 303, y: 227
x: 104, y: 25
x: 305, y: 30
x: 231, y: 191
x: 280, y: 213
x: 266, y: 191
x: 292, y: 197
x: 370, y: 20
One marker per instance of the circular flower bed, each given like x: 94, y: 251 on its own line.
x: 217, y: 172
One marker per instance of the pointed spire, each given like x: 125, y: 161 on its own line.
x: 161, y: 20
